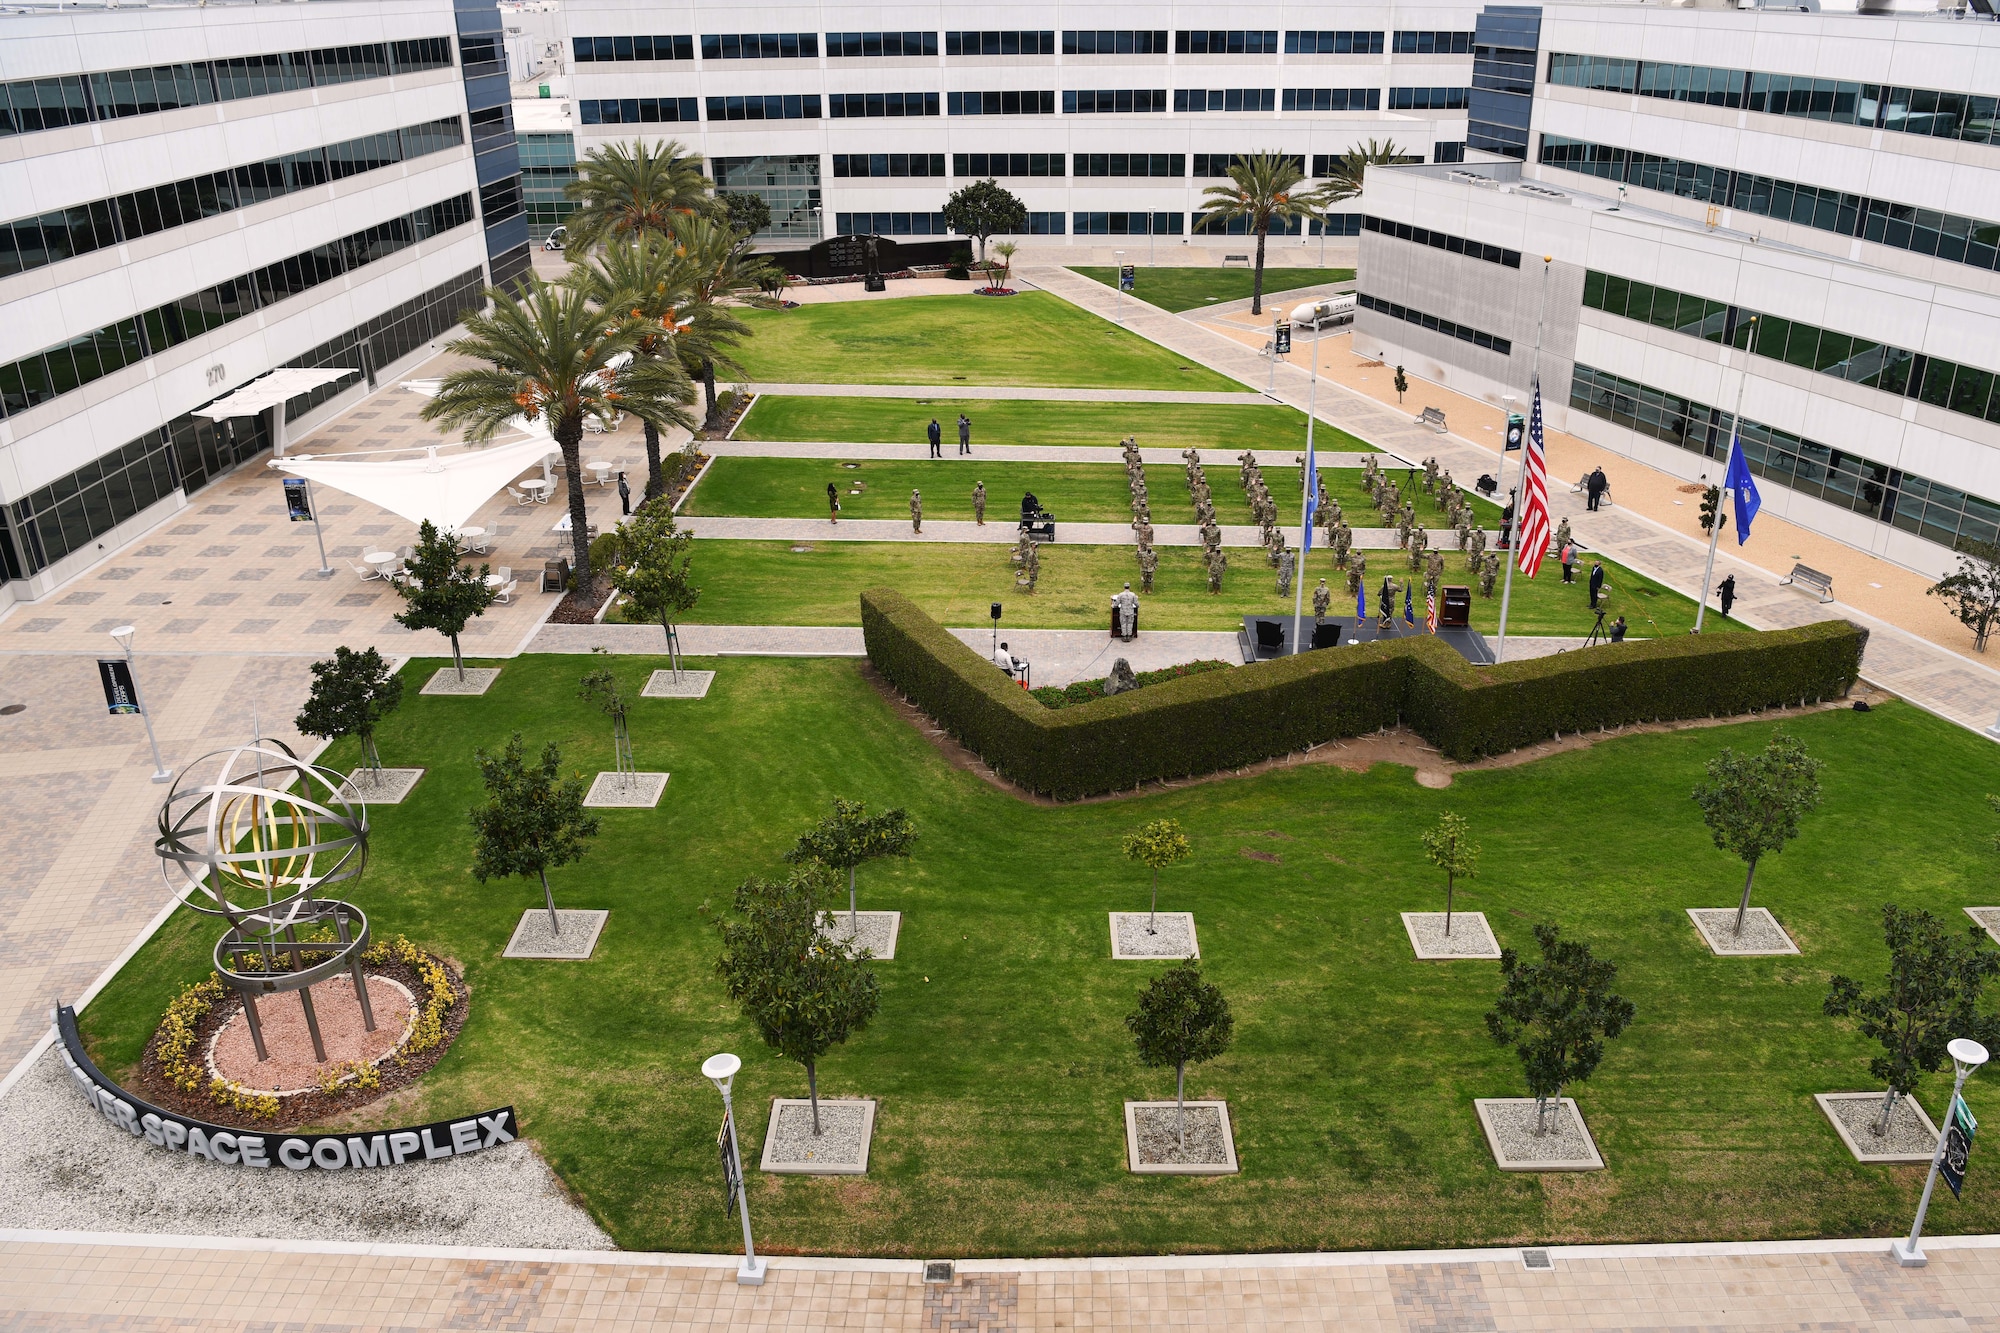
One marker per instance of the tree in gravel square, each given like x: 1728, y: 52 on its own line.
x: 439, y: 593
x: 533, y: 819
x: 1557, y: 1014
x: 1752, y: 802
x: 350, y: 694
x: 1157, y: 845
x: 1972, y: 591
x: 1451, y: 850
x: 651, y: 568
x: 1930, y: 996
x: 1181, y: 1020
x: 805, y: 991
x: 851, y: 837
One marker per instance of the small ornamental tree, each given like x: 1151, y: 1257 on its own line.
x: 600, y: 687
x: 1006, y: 250
x: 805, y: 992
x: 1402, y: 384
x: 349, y: 696
x: 1931, y: 995
x: 651, y: 569
x: 1451, y: 850
x: 1557, y: 1014
x: 1752, y: 803
x: 985, y: 208
x: 851, y: 837
x: 1972, y: 591
x: 1181, y: 1020
x: 747, y: 213
x: 440, y: 593
x: 533, y: 819
x: 1157, y: 845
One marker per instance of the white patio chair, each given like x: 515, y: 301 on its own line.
x: 505, y: 594
x: 366, y: 572
x: 521, y: 497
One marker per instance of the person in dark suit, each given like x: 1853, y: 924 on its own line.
x: 1596, y: 487
x: 1725, y: 593
x: 624, y: 493
x: 1618, y: 630
x: 1596, y: 582
x: 833, y: 502
x: 936, y: 433
x: 964, y: 433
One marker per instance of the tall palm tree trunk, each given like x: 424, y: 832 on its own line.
x: 654, y: 483
x: 1257, y: 283
x: 714, y: 417
x: 569, y: 438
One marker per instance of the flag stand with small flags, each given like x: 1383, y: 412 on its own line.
x: 1431, y: 608
x: 1530, y: 529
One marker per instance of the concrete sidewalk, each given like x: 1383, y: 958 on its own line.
x: 151, y: 1284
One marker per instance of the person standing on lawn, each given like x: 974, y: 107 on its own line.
x: 1568, y: 557
x: 833, y: 502
x: 936, y: 434
x: 916, y: 511
x: 964, y: 433
x: 1596, y: 582
x: 979, y: 503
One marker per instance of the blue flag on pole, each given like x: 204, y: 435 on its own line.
x: 1361, y: 603
x: 1409, y: 611
x: 1311, y: 484
x: 1740, y: 484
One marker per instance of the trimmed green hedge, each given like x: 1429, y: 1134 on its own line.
x: 1224, y: 719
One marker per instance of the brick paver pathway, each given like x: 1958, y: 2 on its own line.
x: 53, y: 1281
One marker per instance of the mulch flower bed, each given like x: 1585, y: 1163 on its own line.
x: 156, y: 1086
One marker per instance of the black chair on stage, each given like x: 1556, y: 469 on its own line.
x: 1326, y: 634
x: 1270, y: 637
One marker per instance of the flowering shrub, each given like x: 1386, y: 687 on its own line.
x: 177, y: 1032
x: 439, y: 994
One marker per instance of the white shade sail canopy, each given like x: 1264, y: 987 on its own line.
x: 446, y: 489
x: 274, y: 389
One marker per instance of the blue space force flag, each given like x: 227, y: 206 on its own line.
x: 1743, y: 487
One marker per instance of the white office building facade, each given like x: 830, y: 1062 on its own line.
x: 1837, y: 177
x: 197, y: 195
x: 1106, y: 120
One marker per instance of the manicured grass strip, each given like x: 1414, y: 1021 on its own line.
x: 1186, y: 288
x: 1033, y: 338
x: 1004, y: 421
x: 1343, y: 486
x: 766, y: 583
x: 1000, y: 1055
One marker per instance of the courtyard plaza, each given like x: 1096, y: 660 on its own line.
x: 93, y: 887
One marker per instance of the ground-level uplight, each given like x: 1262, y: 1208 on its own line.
x: 1966, y: 1057
x: 720, y: 1070
x: 123, y: 634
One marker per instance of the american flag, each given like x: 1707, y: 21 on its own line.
x: 1431, y: 609
x: 1534, y: 529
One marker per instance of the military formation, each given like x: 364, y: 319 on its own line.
x: 1204, y: 513
x: 1142, y: 514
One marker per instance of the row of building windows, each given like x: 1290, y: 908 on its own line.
x: 31, y: 243
x: 1334, y: 43
x: 1433, y: 43
x: 56, y: 370
x: 1428, y: 99
x: 890, y: 165
x: 1112, y: 101
x: 636, y: 110
x: 1075, y: 42
x: 1438, y: 240
x: 760, y: 46
x: 1115, y: 42
x: 1915, y: 504
x: 889, y: 224
x: 1925, y: 231
x: 1012, y: 43
x: 73, y: 511
x: 28, y: 105
x: 1235, y: 42
x: 1462, y: 332
x: 861, y: 45
x: 1338, y: 224
x: 868, y: 106
x: 1006, y: 164
x: 1226, y: 99
x: 1921, y: 111
x: 1126, y: 164
x: 1126, y: 224
x: 1333, y: 99
x: 593, y: 49
x: 1947, y: 384
x: 790, y: 106
x: 1030, y: 103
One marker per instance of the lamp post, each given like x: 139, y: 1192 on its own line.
x: 123, y: 634
x: 1118, y: 274
x: 719, y: 1070
x: 1966, y: 1056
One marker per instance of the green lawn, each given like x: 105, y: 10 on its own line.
x: 1006, y: 421
x: 1033, y: 338
x: 767, y: 583
x: 1000, y: 1057
x: 1186, y: 288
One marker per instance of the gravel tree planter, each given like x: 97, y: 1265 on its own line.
x: 873, y: 931
x: 1762, y: 935
x: 1173, y: 936
x: 847, y: 1127
x: 1153, y: 1142
x: 1470, y: 936
x: 1911, y: 1137
x: 578, y: 940
x: 691, y: 685
x: 386, y: 786
x: 1509, y: 1125
x: 1988, y: 919
x: 626, y: 791
x: 477, y: 680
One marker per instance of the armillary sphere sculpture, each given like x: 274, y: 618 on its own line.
x: 253, y: 834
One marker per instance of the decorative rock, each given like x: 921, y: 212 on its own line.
x: 626, y: 791
x: 1762, y: 935
x: 578, y: 940
x: 692, y: 685
x: 446, y: 680
x: 1470, y: 936
x: 1153, y: 1139
x: 1509, y: 1125
x: 847, y: 1126
x: 1121, y: 679
x: 1173, y: 936
x: 386, y: 786
x: 873, y: 931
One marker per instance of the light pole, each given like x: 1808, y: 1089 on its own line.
x: 123, y: 634
x: 1966, y: 1056
x: 1735, y: 434
x: 719, y: 1070
x: 1308, y: 487
x: 1118, y: 273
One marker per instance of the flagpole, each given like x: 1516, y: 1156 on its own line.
x: 1735, y: 434
x: 1512, y: 526
x: 1308, y: 487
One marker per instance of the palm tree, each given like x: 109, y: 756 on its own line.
x: 1263, y: 188
x: 622, y: 188
x: 721, y: 268
x: 1345, y: 180
x: 548, y: 356
x: 644, y: 278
